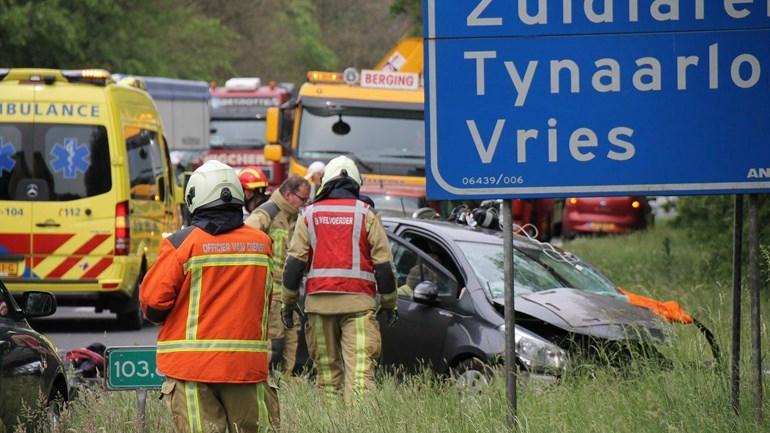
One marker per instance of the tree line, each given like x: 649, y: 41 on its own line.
x: 202, y: 39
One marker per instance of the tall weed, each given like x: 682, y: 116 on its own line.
x: 689, y: 395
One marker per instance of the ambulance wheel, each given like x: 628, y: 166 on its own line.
x: 131, y: 318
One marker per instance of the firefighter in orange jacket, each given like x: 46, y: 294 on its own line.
x: 210, y: 289
x: 344, y: 247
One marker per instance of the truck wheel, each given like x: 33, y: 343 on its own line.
x: 131, y: 318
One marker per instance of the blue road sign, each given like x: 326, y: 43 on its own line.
x: 518, y: 108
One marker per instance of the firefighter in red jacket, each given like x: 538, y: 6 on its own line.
x: 210, y: 289
x: 343, y: 246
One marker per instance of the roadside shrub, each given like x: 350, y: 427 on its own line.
x: 708, y: 222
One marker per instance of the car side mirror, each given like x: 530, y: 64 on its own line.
x: 272, y: 125
x: 38, y: 304
x: 160, y: 184
x: 185, y: 179
x: 273, y: 152
x: 426, y: 293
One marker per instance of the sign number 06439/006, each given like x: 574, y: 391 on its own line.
x: 492, y: 180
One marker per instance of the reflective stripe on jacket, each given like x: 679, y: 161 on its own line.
x: 280, y: 228
x: 340, y: 260
x: 217, y: 292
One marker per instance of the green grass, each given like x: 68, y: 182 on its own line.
x: 692, y: 396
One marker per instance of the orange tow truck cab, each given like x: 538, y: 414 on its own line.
x: 86, y: 187
x: 374, y: 116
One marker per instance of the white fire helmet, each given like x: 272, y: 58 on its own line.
x: 213, y: 184
x: 341, y: 166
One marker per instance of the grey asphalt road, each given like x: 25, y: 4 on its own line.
x: 74, y: 327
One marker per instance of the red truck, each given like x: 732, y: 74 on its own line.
x: 238, y: 111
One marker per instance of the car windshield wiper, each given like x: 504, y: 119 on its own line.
x: 350, y: 155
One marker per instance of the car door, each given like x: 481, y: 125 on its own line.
x: 73, y: 217
x: 417, y: 338
x: 21, y: 362
x: 145, y: 166
x: 172, y: 193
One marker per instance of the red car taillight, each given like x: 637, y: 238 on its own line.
x: 122, y: 235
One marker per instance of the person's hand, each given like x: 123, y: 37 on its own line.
x: 287, y: 314
x: 391, y: 315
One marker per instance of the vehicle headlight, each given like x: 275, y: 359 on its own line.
x: 537, y: 353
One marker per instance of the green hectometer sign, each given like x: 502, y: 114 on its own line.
x: 132, y: 367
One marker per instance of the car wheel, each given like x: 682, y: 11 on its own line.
x: 471, y: 376
x: 53, y: 412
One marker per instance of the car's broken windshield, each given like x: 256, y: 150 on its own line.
x: 487, y: 263
x: 534, y: 271
x: 575, y: 272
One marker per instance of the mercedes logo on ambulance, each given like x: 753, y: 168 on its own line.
x: 32, y: 190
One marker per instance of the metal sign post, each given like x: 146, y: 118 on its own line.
x: 141, y: 405
x: 510, y: 315
x: 735, y: 353
x: 754, y: 283
x: 133, y: 368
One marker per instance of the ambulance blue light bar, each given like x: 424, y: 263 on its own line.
x: 93, y: 76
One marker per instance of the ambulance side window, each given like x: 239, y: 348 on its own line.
x: 13, y: 166
x: 144, y: 162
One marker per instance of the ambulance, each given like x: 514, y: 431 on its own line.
x: 86, y: 187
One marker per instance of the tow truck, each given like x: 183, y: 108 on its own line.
x: 238, y: 113
x: 376, y: 117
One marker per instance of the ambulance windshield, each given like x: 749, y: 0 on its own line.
x: 53, y: 162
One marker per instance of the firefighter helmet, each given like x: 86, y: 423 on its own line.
x: 341, y: 166
x: 213, y: 184
x: 252, y: 177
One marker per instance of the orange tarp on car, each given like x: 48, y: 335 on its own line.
x: 669, y: 310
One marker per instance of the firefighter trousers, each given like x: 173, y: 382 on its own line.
x: 345, y: 349
x: 284, y: 341
x: 198, y: 407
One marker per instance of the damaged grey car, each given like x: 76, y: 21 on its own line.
x: 450, y: 283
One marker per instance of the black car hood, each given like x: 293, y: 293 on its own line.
x: 587, y: 313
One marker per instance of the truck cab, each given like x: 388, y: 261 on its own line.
x: 376, y: 117
x: 238, y: 114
